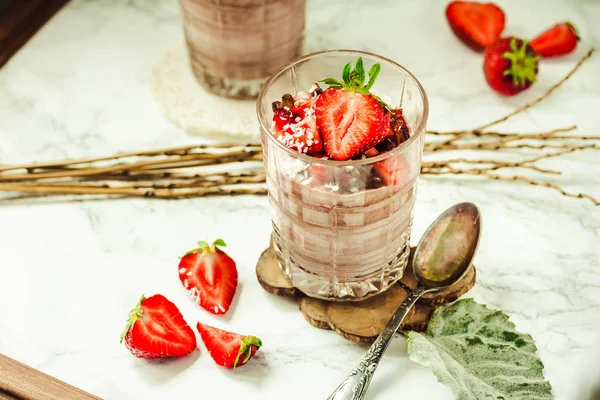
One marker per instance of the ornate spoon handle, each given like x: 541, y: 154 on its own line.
x: 355, y: 385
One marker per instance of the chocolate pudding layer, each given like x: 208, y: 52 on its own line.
x: 340, y: 244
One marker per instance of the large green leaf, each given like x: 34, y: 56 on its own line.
x: 478, y: 354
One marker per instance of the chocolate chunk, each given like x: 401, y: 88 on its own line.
x: 399, y: 126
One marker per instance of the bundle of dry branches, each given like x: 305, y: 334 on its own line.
x: 233, y: 168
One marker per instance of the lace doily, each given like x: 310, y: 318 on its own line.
x: 188, y: 105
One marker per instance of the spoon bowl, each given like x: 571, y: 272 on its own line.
x: 446, y: 250
x: 442, y: 257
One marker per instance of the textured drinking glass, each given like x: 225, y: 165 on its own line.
x: 340, y: 232
x: 234, y: 45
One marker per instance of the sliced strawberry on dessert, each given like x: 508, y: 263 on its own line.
x: 351, y: 120
x: 294, y: 123
x: 558, y: 40
x: 210, y: 276
x: 476, y: 24
x: 228, y: 349
x: 320, y: 173
x: 156, y: 328
x: 510, y: 66
x: 393, y: 171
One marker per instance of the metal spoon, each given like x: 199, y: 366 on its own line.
x: 441, y: 258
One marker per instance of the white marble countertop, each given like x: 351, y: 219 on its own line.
x: 71, y: 271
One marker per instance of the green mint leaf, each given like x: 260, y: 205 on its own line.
x: 346, y: 73
x: 361, y: 71
x: 373, y: 73
x: 478, y: 354
x: 334, y: 83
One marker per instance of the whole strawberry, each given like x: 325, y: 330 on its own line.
x: 510, y: 66
x: 156, y: 328
x: 210, y: 276
x: 228, y: 349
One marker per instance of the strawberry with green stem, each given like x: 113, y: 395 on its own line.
x: 510, y: 66
x: 210, y: 276
x: 350, y: 118
x: 228, y: 349
x: 155, y: 329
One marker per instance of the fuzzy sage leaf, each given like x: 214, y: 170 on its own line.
x: 478, y: 354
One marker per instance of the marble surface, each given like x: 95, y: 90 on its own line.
x: 71, y: 271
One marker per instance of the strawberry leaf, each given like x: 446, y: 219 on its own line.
x: 135, y: 314
x: 219, y: 242
x: 360, y: 71
x: 478, y: 354
x: 346, y: 73
x: 246, y: 348
x: 334, y: 83
x: 373, y: 73
x: 523, y: 63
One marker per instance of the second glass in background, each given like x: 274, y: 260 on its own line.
x: 234, y: 45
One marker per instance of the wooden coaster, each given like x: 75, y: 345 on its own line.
x: 360, y: 321
x: 270, y: 276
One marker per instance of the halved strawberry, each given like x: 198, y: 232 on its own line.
x: 294, y: 123
x: 475, y: 24
x: 351, y: 120
x: 320, y: 173
x: 228, y: 349
x: 394, y: 171
x: 558, y: 40
x: 210, y: 276
x: 156, y: 328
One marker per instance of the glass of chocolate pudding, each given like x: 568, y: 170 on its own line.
x: 342, y: 134
x: 234, y: 45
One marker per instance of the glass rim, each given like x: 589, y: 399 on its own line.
x: 417, y: 133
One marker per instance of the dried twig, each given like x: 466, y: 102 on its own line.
x: 512, y: 178
x: 170, y: 151
x: 167, y: 193
x: 180, y: 172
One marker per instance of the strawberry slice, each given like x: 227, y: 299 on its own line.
x: 350, y: 122
x: 558, y: 40
x: 210, y: 276
x: 156, y: 328
x: 393, y: 171
x: 228, y: 349
x: 294, y: 123
x: 477, y: 25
